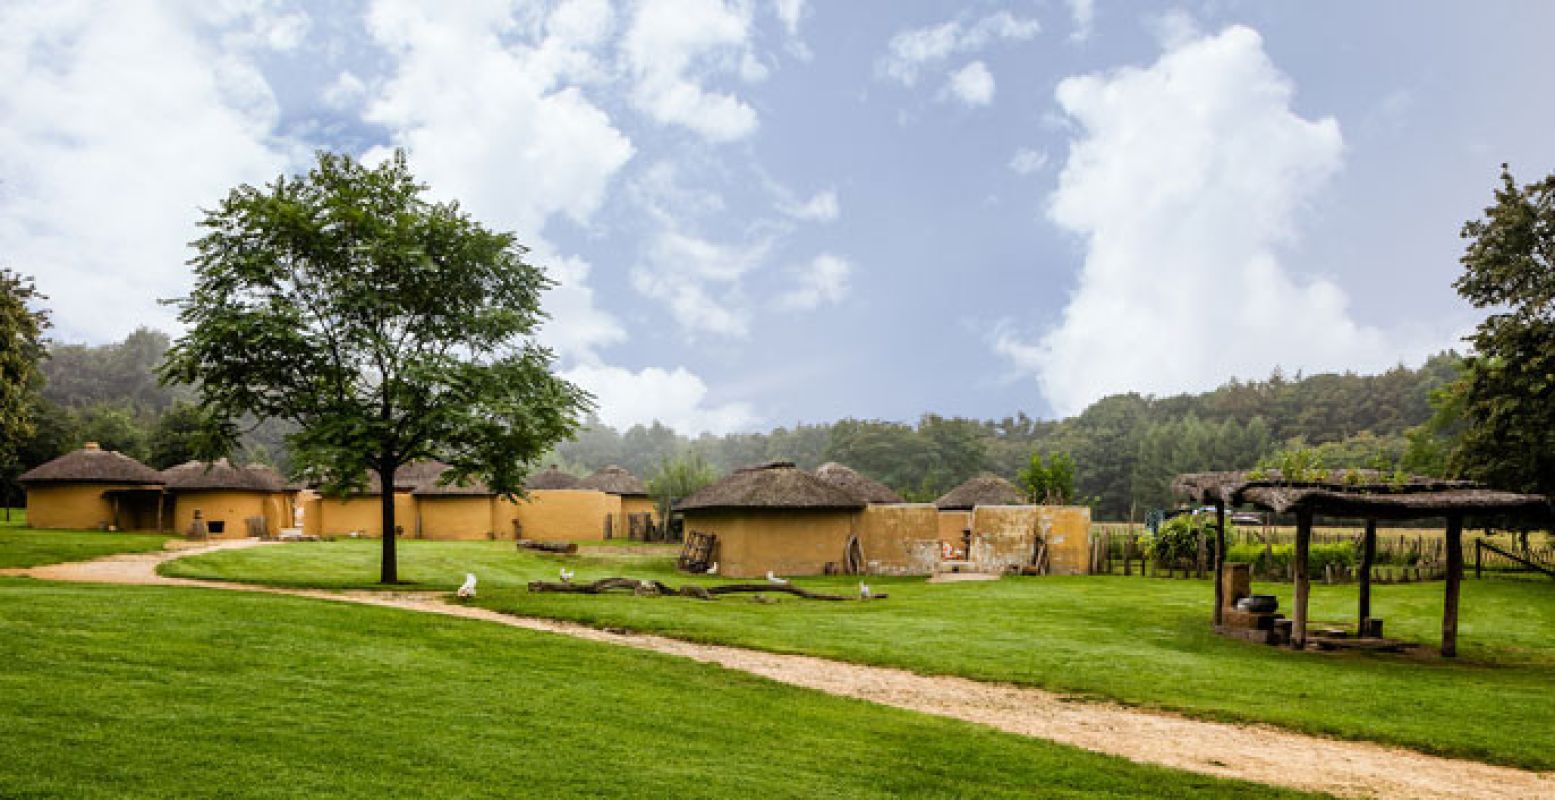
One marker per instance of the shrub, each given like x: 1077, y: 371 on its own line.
x: 1277, y: 558
x: 1177, y: 539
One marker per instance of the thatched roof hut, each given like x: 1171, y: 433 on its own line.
x: 777, y: 485
x: 986, y: 489
x: 92, y: 464
x: 222, y: 475
x: 433, y: 486
x: 849, y: 480
x: 552, y: 478
x: 1367, y: 494
x: 617, y: 480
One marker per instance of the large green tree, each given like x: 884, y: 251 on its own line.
x: 22, y: 325
x: 1508, y: 390
x: 387, y: 327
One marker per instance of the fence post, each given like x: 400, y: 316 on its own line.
x: 1478, y: 549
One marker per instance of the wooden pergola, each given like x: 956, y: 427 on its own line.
x: 1357, y: 494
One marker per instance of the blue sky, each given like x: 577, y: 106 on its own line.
x: 770, y: 212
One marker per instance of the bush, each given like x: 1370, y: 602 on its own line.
x: 1277, y: 558
x: 1177, y: 539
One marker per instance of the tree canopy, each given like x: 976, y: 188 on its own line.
x: 1507, y: 393
x: 388, y: 328
x: 22, y: 326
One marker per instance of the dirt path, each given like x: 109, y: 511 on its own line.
x: 1255, y: 753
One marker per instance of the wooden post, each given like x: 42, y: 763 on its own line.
x: 1368, y: 555
x: 1128, y: 555
x: 1478, y: 557
x: 1298, y: 631
x: 1220, y: 559
x: 1198, y: 560
x: 1454, y: 577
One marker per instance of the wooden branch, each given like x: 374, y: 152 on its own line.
x: 548, y: 547
x: 659, y: 588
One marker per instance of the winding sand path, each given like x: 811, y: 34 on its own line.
x: 1257, y: 753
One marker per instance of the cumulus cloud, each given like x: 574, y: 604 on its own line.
x: 676, y: 397
x: 790, y: 12
x: 972, y: 84
x: 699, y: 281
x: 1184, y: 179
x: 670, y: 44
x: 822, y: 207
x: 823, y: 280
x: 911, y: 51
x: 1027, y: 160
x: 117, y: 124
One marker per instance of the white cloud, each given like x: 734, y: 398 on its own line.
x: 670, y: 44
x: 488, y: 120
x: 972, y: 84
x: 346, y: 91
x: 118, y: 123
x: 822, y: 207
x: 790, y: 12
x: 699, y: 280
x: 823, y: 280
x: 910, y: 51
x: 1026, y: 161
x: 1083, y: 12
x: 677, y: 398
x: 1183, y: 180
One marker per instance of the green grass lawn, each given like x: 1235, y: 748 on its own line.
x: 1136, y: 640
x: 26, y: 547
x: 140, y: 691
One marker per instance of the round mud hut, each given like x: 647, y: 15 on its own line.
x: 224, y: 501
x: 773, y: 518
x: 94, y: 489
x: 636, y: 504
x: 560, y: 508
x: 465, y: 509
x: 955, y: 506
x: 361, y: 513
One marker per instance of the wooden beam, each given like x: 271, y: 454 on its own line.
x: 1220, y: 560
x: 1454, y: 579
x: 1298, y: 630
x: 1368, y: 555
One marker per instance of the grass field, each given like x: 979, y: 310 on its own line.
x: 25, y: 547
x: 138, y: 691
x: 1139, y: 641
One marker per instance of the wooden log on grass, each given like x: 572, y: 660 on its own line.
x: 658, y: 588
x: 566, y: 548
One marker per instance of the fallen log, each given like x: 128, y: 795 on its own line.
x: 567, y: 548
x: 651, y: 588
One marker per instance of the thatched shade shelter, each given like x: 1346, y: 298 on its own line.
x: 1362, y: 494
x: 849, y: 480
x: 773, y: 517
x: 986, y: 489
x: 94, y: 488
x: 226, y: 497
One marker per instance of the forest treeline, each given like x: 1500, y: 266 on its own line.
x: 1126, y: 448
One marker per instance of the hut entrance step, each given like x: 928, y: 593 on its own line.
x: 696, y: 554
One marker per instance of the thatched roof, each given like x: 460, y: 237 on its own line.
x: 433, y: 486
x: 615, y: 480
x: 778, y: 485
x: 986, y: 489
x: 221, y: 474
x: 552, y: 478
x: 850, y: 481
x: 1358, y: 494
x: 92, y: 464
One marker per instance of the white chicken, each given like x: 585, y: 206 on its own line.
x: 775, y: 580
x: 864, y: 592
x: 467, y: 590
x: 567, y: 575
x: 712, y: 570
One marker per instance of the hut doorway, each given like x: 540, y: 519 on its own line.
x: 146, y: 509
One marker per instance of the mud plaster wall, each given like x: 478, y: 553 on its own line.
x: 560, y: 514
x: 783, y: 541
x: 1005, y: 537
x: 458, y: 517
x: 901, y: 539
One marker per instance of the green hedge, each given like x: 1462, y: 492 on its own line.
x: 1277, y: 558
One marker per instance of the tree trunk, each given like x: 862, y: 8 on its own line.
x: 1454, y: 577
x: 389, y: 567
